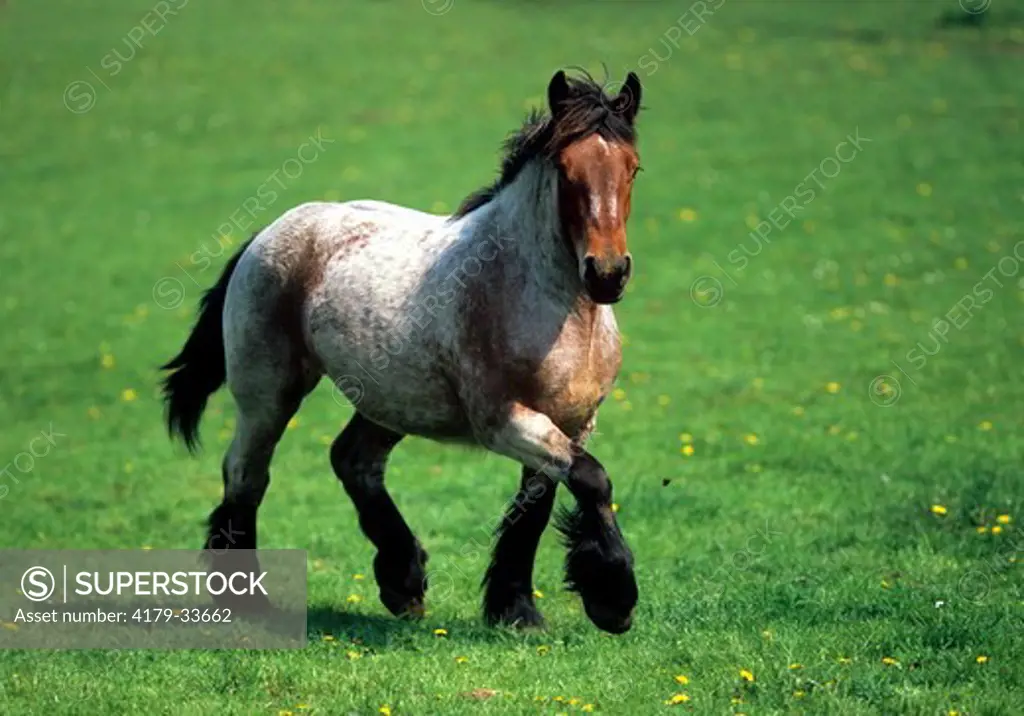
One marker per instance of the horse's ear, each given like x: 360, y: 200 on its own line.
x: 558, y: 92
x: 627, y: 103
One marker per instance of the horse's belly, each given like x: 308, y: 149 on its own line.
x: 398, y: 385
x: 425, y: 409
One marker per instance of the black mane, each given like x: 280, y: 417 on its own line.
x: 588, y: 110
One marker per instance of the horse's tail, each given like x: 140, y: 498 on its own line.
x: 200, y: 368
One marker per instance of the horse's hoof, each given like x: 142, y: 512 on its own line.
x: 402, y: 605
x: 520, y: 614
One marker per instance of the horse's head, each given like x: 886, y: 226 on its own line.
x: 596, y: 168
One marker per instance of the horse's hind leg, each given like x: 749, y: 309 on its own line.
x: 358, y: 456
x: 267, y: 394
x: 508, y: 596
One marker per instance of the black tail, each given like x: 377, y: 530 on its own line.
x: 199, y: 369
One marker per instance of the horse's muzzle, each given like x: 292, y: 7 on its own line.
x: 606, y: 281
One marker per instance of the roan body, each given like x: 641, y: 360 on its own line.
x: 491, y: 327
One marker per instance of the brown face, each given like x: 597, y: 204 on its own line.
x: 595, y: 189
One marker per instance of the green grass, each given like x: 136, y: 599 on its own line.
x: 815, y: 546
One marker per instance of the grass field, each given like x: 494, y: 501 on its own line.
x: 816, y: 440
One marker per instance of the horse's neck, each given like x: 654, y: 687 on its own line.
x: 524, y: 217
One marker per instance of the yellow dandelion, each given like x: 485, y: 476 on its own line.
x: 794, y: 667
x: 750, y: 439
x: 844, y: 660
x: 302, y: 706
x: 981, y: 659
x: 798, y: 694
x: 587, y: 708
x: 939, y: 509
x: 539, y: 594
x: 997, y: 529
x: 352, y: 655
x: 685, y: 438
x: 747, y: 675
x: 573, y: 701
x: 735, y: 700
x: 619, y: 394
x: 687, y: 215
x: 687, y: 450
x: 128, y: 395
x: 328, y: 637
x: 284, y: 712
x: 1004, y: 519
x: 615, y: 507
x: 358, y: 577
x: 981, y: 529
x: 766, y: 634
x: 924, y: 189
x: 461, y: 659
x: 440, y: 632
x: 885, y: 584
x: 664, y: 400
x: 677, y: 699
x: 353, y: 599
x: 985, y: 425
x: 682, y: 679
x: 385, y: 710
x: 798, y: 410
x: 293, y: 423
x: 832, y: 387
x: 543, y: 649
x: 107, y: 361
x: 889, y: 661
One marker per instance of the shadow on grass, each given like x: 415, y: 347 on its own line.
x: 384, y: 631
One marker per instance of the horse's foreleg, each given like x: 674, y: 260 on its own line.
x: 508, y: 596
x: 599, y: 565
x: 358, y: 457
x: 530, y: 438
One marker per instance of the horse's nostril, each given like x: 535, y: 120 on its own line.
x: 589, y: 268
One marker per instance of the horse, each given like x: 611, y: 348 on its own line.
x: 506, y: 339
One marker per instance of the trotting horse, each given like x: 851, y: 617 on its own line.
x: 505, y: 339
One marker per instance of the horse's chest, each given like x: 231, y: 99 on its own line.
x: 575, y: 376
